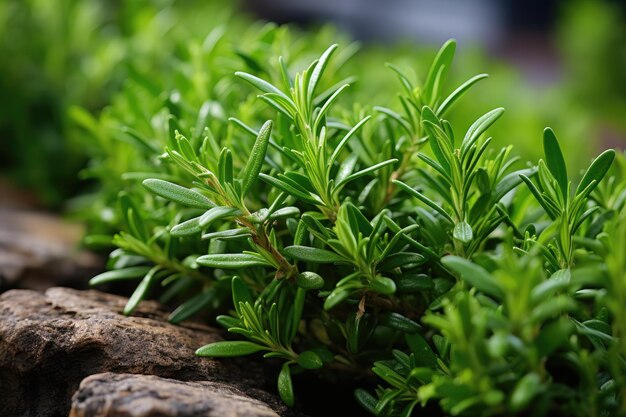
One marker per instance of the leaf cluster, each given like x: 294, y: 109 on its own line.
x: 337, y: 236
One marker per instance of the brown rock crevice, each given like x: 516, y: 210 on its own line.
x: 51, y: 341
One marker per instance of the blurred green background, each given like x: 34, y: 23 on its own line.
x: 561, y: 64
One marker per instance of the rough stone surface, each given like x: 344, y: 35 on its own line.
x: 49, y: 342
x: 40, y: 250
x: 127, y: 395
x: 17, y: 197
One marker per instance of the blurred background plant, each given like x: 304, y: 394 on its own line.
x: 67, y: 53
x: 561, y: 64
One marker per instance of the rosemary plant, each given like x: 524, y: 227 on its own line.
x: 334, y: 236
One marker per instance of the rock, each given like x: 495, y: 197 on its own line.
x: 127, y: 395
x: 17, y: 197
x: 49, y: 342
x: 40, y: 250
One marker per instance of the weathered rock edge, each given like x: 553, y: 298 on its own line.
x: 40, y: 250
x: 51, y: 341
x: 128, y: 395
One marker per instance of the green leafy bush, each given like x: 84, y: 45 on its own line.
x: 89, y: 53
x: 82, y: 53
x: 334, y: 236
x: 78, y: 53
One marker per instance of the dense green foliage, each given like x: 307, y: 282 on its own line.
x: 339, y: 215
x: 352, y: 237
x: 82, y: 52
x: 73, y: 52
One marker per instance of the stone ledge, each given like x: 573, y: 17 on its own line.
x: 127, y: 395
x: 51, y: 341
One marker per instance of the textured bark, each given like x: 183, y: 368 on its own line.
x: 49, y: 342
x: 127, y: 395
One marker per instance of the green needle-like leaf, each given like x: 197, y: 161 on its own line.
x: 400, y: 259
x: 475, y: 275
x: 511, y: 181
x: 345, y: 139
x: 338, y: 295
x: 395, y: 116
x: 555, y: 160
x: 225, y: 166
x: 309, y: 281
x: 424, y: 199
x: 178, y: 194
x: 366, y: 400
x: 232, y: 260
x: 230, y: 234
x: 141, y: 290
x: 132, y: 272
x: 525, y: 390
x: 285, y: 212
x: 257, y: 156
x: 364, y: 172
x: 192, y: 306
x: 319, y: 70
x: 307, y: 254
x: 479, y: 127
x: 229, y: 349
x: 399, y: 322
x: 189, y: 227
x: 241, y: 294
x: 261, y: 84
x: 288, y: 188
x: 597, y: 170
x: 309, y: 360
x: 421, y: 349
x: 217, y: 213
x: 383, y: 285
x: 285, y: 387
x: 324, y: 109
x: 458, y: 93
x: 463, y: 232
x: 438, y: 70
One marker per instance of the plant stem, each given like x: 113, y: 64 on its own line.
x: 262, y: 240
